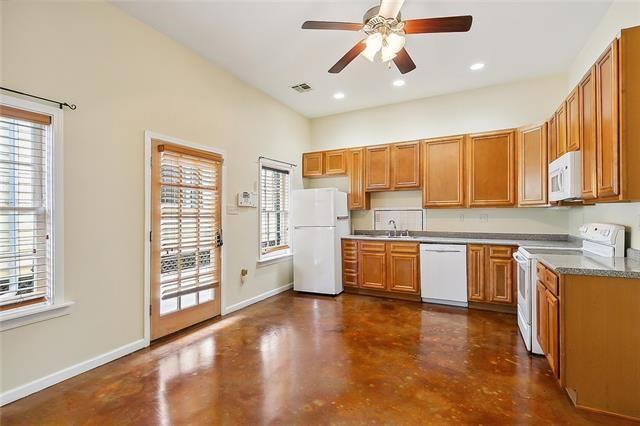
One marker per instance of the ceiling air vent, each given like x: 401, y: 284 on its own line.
x: 301, y: 88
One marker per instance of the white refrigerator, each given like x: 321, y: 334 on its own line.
x: 320, y: 219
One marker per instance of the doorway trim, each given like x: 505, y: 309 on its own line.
x: 148, y: 136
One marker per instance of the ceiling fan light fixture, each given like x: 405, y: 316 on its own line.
x: 395, y: 41
x: 387, y: 53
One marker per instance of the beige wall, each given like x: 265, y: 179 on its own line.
x: 621, y: 14
x: 127, y: 78
x: 491, y: 108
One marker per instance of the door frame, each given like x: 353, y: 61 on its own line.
x: 148, y: 136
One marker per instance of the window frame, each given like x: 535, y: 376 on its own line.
x: 57, y: 305
x: 284, y: 253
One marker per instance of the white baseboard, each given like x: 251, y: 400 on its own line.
x: 59, y: 376
x: 256, y: 299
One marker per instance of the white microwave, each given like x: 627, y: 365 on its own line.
x: 565, y: 174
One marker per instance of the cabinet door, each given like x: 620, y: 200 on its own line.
x: 405, y: 165
x: 553, y: 139
x: 335, y: 162
x: 403, y: 268
x: 312, y: 164
x: 588, y: 132
x: 377, y: 167
x: 542, y: 313
x: 607, y: 142
x: 358, y: 199
x: 475, y: 273
x: 532, y: 165
x: 561, y: 130
x: 573, y: 121
x: 553, y: 328
x: 491, y: 163
x: 500, y: 280
x: 372, y: 265
x: 349, y: 263
x: 443, y: 179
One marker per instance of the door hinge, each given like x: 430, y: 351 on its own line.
x: 150, y: 309
x: 150, y: 233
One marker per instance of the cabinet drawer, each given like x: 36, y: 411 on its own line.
x: 500, y: 251
x: 540, y: 270
x: 350, y: 244
x: 372, y: 246
x: 350, y: 266
x: 350, y: 255
x: 410, y: 248
x: 551, y: 281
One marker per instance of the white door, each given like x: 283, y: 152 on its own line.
x: 314, y: 260
x: 313, y: 207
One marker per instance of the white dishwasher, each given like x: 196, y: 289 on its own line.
x: 443, y: 274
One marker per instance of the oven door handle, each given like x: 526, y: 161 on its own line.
x: 518, y: 257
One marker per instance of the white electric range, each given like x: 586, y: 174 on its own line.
x: 599, y: 239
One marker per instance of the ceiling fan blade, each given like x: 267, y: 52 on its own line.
x: 450, y: 24
x: 404, y: 62
x: 390, y: 8
x: 347, y: 58
x: 326, y: 25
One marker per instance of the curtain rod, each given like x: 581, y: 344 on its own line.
x: 60, y: 104
x: 277, y: 161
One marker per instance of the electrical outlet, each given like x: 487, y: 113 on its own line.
x: 461, y: 218
x: 484, y: 218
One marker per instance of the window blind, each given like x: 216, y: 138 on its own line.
x: 190, y: 227
x: 24, y: 226
x: 274, y: 209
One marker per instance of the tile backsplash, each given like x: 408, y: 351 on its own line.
x: 405, y: 219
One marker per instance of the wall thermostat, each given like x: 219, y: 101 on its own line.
x: 247, y: 199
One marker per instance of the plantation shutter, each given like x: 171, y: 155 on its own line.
x: 274, y: 209
x: 24, y: 219
x: 190, y: 227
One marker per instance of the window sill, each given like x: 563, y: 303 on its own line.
x: 274, y: 259
x: 33, y: 314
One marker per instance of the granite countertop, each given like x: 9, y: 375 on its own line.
x: 572, y: 262
x: 522, y: 240
x: 591, y: 264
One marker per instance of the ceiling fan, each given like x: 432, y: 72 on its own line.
x: 386, y: 32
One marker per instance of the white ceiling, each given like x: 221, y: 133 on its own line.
x: 261, y: 43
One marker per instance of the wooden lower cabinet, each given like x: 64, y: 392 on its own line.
x: 385, y: 267
x: 403, y: 267
x: 491, y: 275
x: 350, y: 263
x: 548, y: 316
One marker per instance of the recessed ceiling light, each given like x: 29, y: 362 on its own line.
x: 338, y: 95
x: 399, y: 83
x: 476, y: 67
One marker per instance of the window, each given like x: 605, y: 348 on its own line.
x: 25, y: 249
x: 31, y: 257
x: 275, y: 191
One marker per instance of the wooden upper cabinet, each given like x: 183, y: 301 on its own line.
x: 335, y: 162
x: 403, y: 267
x: 372, y: 260
x: 443, y: 168
x: 552, y: 139
x: 588, y: 132
x: 573, y: 120
x: 475, y: 272
x: 312, y: 164
x: 377, y: 167
x: 491, y: 169
x: 405, y: 165
x: 561, y: 130
x: 532, y: 165
x: 607, y: 136
x: 357, y: 198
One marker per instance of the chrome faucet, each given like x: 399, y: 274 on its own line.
x: 395, y: 228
